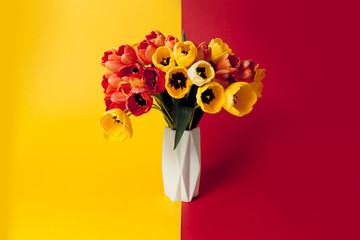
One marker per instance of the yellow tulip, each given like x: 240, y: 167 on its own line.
x: 218, y: 48
x: 163, y: 59
x: 116, y: 125
x: 185, y: 53
x: 240, y: 98
x: 257, y: 84
x: 177, y: 83
x: 201, y: 73
x: 211, y: 97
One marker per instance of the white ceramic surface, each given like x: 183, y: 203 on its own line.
x: 181, y: 167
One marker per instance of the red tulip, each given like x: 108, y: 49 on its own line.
x: 125, y: 86
x: 118, y: 100
x: 109, y: 55
x: 139, y: 101
x: 226, y: 68
x: 105, y: 81
x: 228, y: 61
x: 129, y: 71
x: 204, y: 52
x: 154, y: 80
x: 110, y: 61
x: 224, y: 78
x: 156, y: 38
x: 246, y: 71
x: 170, y: 42
x: 114, y: 60
x: 144, y: 52
x: 115, y: 100
x: 126, y: 54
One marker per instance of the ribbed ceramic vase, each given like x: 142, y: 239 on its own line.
x: 181, y: 167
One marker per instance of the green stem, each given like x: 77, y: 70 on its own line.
x: 156, y: 107
x: 164, y: 111
x: 163, y: 107
x: 192, y: 116
x: 191, y: 119
x: 167, y: 120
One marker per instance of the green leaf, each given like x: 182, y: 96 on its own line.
x: 183, y: 38
x: 190, y: 99
x: 197, y: 117
x: 174, y: 112
x: 182, y: 120
x: 165, y: 98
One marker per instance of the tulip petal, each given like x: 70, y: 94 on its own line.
x: 257, y: 84
x: 116, y: 125
x: 201, y: 73
x: 240, y: 98
x: 185, y: 53
x: 211, y: 97
x: 113, y: 66
x: 177, y: 82
x: 218, y: 48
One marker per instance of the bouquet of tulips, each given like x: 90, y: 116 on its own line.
x: 185, y: 80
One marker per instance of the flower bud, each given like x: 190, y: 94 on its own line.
x: 163, y: 59
x: 116, y: 125
x: 145, y: 51
x: 170, y: 42
x: 218, y: 48
x: 201, y: 73
x: 245, y: 71
x: 204, y: 52
x: 139, y: 101
x: 185, y: 53
x: 156, y: 38
x: 240, y: 98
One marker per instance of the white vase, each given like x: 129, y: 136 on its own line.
x: 181, y: 167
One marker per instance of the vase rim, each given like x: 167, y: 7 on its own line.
x: 185, y: 130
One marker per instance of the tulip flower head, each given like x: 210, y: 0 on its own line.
x: 110, y: 62
x: 114, y: 60
x: 156, y: 38
x: 240, y: 98
x: 218, y: 48
x: 226, y: 68
x: 118, y: 100
x: 154, y: 80
x: 201, y: 73
x: 105, y: 81
x: 144, y: 52
x: 257, y: 84
x: 139, y: 101
x: 227, y: 61
x: 211, y: 97
x: 204, y: 52
x: 163, y: 59
x: 246, y: 71
x: 121, y: 79
x: 126, y: 54
x: 185, y: 53
x: 131, y: 70
x: 116, y: 125
x: 170, y: 42
x: 177, y: 82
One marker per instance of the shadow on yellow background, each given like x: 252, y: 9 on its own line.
x: 62, y: 179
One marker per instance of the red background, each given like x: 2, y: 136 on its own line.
x: 290, y: 169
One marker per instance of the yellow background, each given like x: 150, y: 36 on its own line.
x: 60, y: 179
